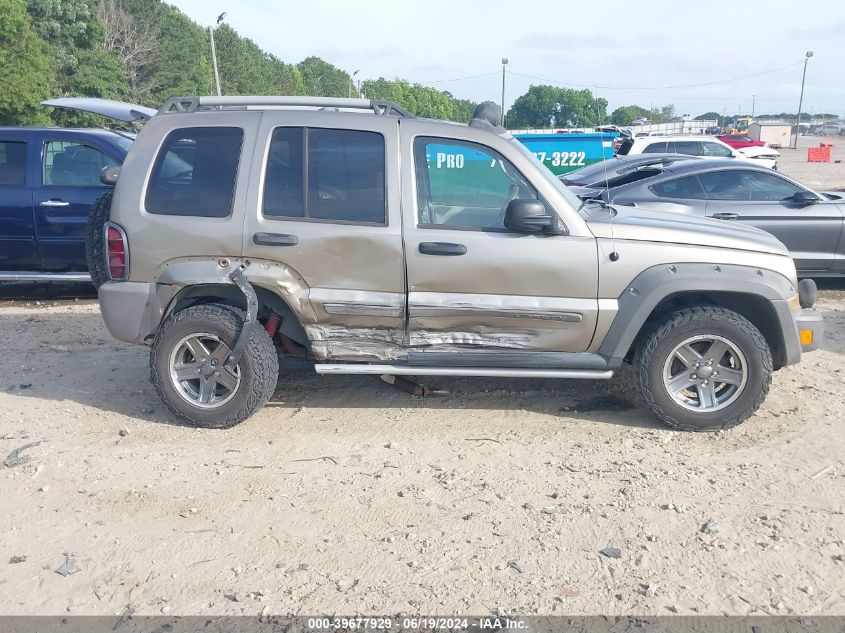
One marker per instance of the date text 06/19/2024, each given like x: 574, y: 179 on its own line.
x: 417, y: 623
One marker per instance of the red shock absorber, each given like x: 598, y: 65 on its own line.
x: 272, y: 324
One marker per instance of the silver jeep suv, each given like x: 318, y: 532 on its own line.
x: 351, y: 237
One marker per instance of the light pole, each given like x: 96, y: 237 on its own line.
x: 807, y: 57
x: 504, y: 63
x: 352, y: 83
x: 220, y: 18
x: 753, y: 105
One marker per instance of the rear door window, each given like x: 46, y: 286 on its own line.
x: 194, y: 173
x: 12, y: 163
x: 690, y: 148
x: 326, y: 174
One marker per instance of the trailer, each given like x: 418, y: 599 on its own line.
x: 774, y: 133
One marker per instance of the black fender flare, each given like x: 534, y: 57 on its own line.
x: 652, y: 286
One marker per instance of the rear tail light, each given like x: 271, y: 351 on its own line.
x: 117, y: 252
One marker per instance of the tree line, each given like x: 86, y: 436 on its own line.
x: 146, y: 51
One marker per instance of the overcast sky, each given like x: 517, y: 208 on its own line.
x: 633, y: 51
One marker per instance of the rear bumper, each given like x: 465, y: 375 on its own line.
x: 132, y: 310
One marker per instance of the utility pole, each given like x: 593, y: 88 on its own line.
x: 807, y: 57
x: 504, y: 63
x: 220, y: 18
x: 753, y: 105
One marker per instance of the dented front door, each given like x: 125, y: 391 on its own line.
x: 473, y: 283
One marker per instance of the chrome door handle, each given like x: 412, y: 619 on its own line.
x: 726, y: 216
x: 55, y: 203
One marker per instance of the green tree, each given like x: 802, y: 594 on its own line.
x: 549, y: 106
x: 245, y: 69
x: 322, y: 79
x: 625, y: 114
x: 667, y: 112
x: 181, y: 64
x: 66, y: 23
x: 24, y: 67
x: 71, y: 29
x: 462, y: 109
x: 421, y: 101
x: 289, y: 79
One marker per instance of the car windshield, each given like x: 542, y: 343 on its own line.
x: 123, y: 142
x: 571, y: 198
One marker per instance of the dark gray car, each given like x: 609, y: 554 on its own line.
x: 809, y: 223
x: 620, y: 170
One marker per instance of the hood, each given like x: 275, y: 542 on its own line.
x: 126, y: 112
x: 586, y: 193
x: 639, y: 224
x: 759, y: 152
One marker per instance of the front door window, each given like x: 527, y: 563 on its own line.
x: 465, y: 185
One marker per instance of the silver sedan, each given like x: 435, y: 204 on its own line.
x: 809, y: 223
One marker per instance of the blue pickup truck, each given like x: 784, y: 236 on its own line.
x: 49, y: 178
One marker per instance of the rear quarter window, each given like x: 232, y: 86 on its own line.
x: 12, y: 163
x: 194, y: 172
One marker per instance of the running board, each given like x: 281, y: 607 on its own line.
x: 36, y: 276
x: 505, y: 372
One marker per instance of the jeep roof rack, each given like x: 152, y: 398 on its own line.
x: 193, y: 104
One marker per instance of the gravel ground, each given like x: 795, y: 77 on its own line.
x: 346, y: 495
x: 819, y: 176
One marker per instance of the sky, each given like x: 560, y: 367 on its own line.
x: 626, y: 52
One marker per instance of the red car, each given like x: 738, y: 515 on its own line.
x: 740, y: 141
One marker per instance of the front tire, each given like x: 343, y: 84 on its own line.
x: 703, y: 369
x: 188, y: 366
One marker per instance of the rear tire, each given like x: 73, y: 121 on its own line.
x: 187, y: 365
x: 95, y: 240
x: 703, y: 369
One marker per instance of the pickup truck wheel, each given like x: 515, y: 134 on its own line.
x: 704, y: 369
x: 188, y: 366
x: 95, y: 246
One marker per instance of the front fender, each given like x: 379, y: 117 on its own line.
x: 658, y: 283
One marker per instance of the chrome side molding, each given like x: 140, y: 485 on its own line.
x: 504, y: 372
x: 37, y: 276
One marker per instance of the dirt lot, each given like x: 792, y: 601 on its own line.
x: 818, y: 176
x: 347, y: 495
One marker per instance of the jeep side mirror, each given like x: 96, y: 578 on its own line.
x: 530, y: 216
x: 108, y: 175
x: 805, y: 198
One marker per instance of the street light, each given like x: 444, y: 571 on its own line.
x: 220, y: 18
x: 352, y: 83
x: 807, y: 57
x: 504, y: 63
